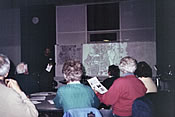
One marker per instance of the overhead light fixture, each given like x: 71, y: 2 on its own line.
x: 106, y: 40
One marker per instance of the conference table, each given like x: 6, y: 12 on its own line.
x: 45, y: 105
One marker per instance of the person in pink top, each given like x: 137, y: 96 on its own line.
x: 124, y: 90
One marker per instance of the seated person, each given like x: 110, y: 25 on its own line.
x: 74, y: 94
x: 114, y: 73
x: 27, y: 83
x: 14, y: 102
x: 124, y: 90
x: 144, y: 73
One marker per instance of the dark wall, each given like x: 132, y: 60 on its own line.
x: 165, y: 37
x: 6, y: 4
x: 165, y: 33
x: 35, y: 37
x: 10, y: 34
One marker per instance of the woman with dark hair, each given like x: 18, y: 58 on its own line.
x: 144, y: 73
x: 114, y: 73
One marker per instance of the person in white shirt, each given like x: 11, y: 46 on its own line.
x: 144, y: 73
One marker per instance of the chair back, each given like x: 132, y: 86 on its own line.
x: 106, y: 112
x: 83, y: 112
x: 142, y: 107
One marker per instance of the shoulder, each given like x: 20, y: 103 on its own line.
x: 67, y: 89
x: 5, y: 89
x: 125, y: 79
x: 121, y: 79
x: 145, y: 79
x: 73, y: 86
x: 87, y: 87
x: 9, y: 93
x: 62, y: 87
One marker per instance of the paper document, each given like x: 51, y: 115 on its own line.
x: 96, y: 85
x: 38, y: 98
x: 49, y: 67
x: 50, y: 101
x: 40, y: 94
x: 35, y: 102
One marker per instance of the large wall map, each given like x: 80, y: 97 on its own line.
x: 97, y: 57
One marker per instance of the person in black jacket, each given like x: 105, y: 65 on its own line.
x: 46, y: 71
x: 114, y: 73
x: 27, y: 82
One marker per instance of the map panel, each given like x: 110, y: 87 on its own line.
x: 64, y: 53
x: 97, y: 57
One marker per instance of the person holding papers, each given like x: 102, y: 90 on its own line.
x: 74, y: 94
x: 114, y: 73
x: 124, y: 90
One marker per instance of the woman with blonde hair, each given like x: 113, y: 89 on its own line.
x: 74, y: 94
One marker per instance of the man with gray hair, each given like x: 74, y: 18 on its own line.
x: 28, y: 83
x: 22, y: 68
x: 14, y: 103
x: 124, y: 90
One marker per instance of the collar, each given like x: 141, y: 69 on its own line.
x: 74, y: 82
x: 126, y: 74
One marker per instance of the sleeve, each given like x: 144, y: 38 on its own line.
x: 21, y: 105
x: 108, y: 97
x: 57, y: 99
x: 96, y: 101
x: 104, y: 83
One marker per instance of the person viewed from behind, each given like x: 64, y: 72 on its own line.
x: 26, y: 81
x: 14, y: 103
x: 74, y: 94
x: 144, y: 73
x: 114, y: 73
x: 124, y: 90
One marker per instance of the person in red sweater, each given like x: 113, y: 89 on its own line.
x: 124, y: 90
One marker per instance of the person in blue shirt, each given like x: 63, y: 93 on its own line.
x: 74, y: 94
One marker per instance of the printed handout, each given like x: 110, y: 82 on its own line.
x: 96, y: 85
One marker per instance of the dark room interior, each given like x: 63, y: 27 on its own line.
x: 67, y: 27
